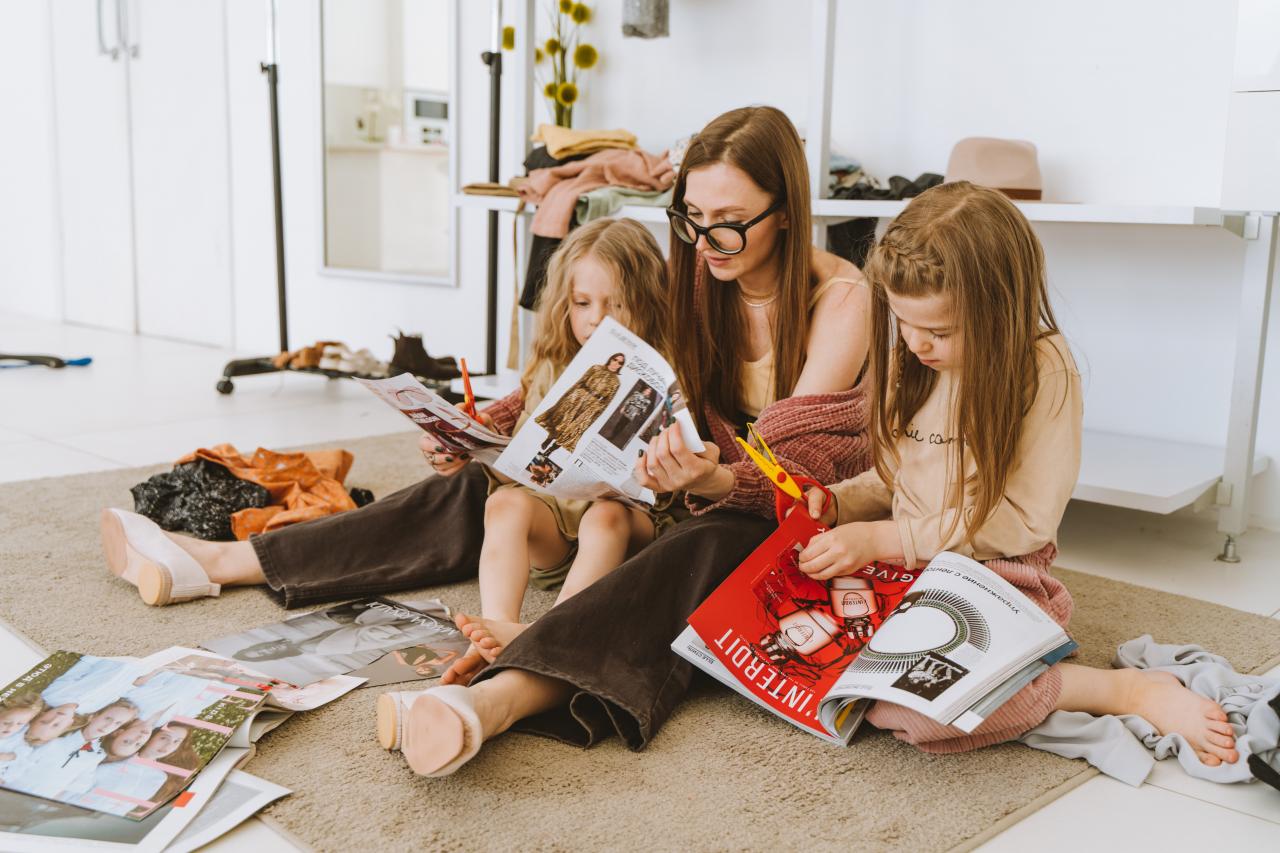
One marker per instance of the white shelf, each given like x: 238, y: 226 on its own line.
x: 508, y: 204
x: 1148, y: 474
x: 1044, y: 211
x: 1036, y: 211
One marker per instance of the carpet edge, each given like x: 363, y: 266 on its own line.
x: 1022, y: 813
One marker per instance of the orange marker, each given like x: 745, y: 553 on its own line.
x: 469, y: 397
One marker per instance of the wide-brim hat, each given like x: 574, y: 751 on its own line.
x: 1008, y: 165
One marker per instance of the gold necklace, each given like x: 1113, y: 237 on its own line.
x: 751, y: 304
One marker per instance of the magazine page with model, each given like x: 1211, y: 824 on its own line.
x: 335, y: 641
x: 454, y: 429
x: 114, y: 735
x: 596, y: 420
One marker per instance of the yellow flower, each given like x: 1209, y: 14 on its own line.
x: 508, y: 38
x: 550, y: 90
x: 585, y: 56
x: 552, y: 47
x: 567, y: 94
x: 566, y: 6
x: 579, y: 12
x: 538, y: 55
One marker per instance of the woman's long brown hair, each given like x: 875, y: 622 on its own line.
x: 762, y: 142
x: 629, y: 251
x: 973, y: 244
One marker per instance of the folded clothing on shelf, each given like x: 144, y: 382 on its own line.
x: 564, y: 142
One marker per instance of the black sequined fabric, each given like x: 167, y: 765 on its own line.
x: 197, y: 497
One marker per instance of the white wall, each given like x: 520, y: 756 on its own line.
x: 30, y: 280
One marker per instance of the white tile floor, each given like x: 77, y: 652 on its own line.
x: 145, y: 400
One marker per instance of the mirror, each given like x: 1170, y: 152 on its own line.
x: 387, y: 81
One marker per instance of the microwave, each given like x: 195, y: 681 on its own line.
x: 426, y: 117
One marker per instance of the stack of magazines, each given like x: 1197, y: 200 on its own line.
x: 142, y: 753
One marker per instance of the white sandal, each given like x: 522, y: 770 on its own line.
x: 139, y: 552
x: 448, y: 707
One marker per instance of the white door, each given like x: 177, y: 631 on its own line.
x: 91, y: 106
x: 181, y: 187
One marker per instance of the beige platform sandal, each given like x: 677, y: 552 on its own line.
x: 138, y: 551
x: 447, y: 712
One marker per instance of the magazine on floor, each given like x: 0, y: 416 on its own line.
x: 33, y: 824
x: 335, y: 641
x: 238, y: 799
x: 121, y: 736
x: 453, y: 428
x: 281, y: 695
x: 583, y: 440
x: 952, y: 641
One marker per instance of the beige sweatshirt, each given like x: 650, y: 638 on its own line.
x: 1036, y: 494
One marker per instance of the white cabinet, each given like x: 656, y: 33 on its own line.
x: 142, y: 141
x: 91, y: 98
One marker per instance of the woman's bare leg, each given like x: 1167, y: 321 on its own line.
x: 1157, y: 697
x: 226, y: 563
x: 609, y: 531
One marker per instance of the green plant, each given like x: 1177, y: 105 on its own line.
x: 565, y: 53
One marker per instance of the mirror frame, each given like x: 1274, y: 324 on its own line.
x: 449, y: 279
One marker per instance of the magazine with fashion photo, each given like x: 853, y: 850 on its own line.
x: 951, y: 641
x: 585, y: 436
x: 120, y: 736
x: 454, y: 429
x: 420, y: 662
x: 29, y: 824
x: 335, y: 641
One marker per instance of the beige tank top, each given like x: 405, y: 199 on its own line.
x: 757, y: 379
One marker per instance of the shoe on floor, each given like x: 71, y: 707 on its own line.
x: 138, y: 551
x: 411, y: 357
x: 447, y: 712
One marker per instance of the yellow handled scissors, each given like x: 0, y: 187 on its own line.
x: 784, y: 484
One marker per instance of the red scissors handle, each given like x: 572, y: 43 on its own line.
x: 783, y: 502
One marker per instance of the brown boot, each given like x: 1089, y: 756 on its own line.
x: 411, y: 357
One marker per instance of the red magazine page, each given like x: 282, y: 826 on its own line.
x: 787, y: 637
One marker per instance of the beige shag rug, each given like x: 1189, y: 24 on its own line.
x: 721, y: 775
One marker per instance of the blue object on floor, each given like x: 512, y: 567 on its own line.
x: 84, y: 361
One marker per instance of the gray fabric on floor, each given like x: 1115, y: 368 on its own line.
x: 718, y: 776
x: 1127, y: 747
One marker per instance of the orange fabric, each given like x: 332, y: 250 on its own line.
x: 303, y: 486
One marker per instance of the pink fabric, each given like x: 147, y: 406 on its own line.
x: 555, y: 191
x: 822, y: 436
x: 1028, y: 707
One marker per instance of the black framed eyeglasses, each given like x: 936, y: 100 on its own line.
x: 727, y: 238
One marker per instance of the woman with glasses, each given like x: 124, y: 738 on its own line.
x: 770, y: 330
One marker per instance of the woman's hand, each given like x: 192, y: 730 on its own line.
x: 444, y: 462
x: 670, y: 466
x: 845, y: 549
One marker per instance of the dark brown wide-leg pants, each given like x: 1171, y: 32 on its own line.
x: 428, y: 533
x: 612, y: 641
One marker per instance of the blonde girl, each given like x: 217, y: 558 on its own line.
x: 976, y: 432
x: 606, y: 268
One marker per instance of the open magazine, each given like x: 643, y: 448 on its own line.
x: 953, y: 641
x: 116, y: 736
x: 453, y: 428
x: 596, y: 420
x: 316, y: 646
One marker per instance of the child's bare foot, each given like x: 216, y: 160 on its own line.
x: 490, y: 636
x: 465, y: 668
x: 1160, y: 699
